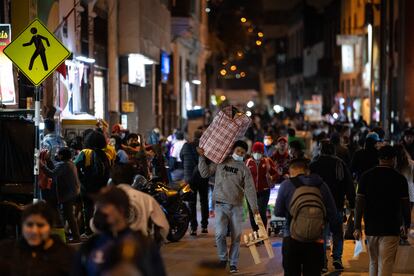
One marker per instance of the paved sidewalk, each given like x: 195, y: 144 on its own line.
x: 183, y: 258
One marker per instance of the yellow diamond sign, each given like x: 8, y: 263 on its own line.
x: 36, y: 52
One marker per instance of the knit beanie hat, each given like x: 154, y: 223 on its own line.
x: 258, y: 147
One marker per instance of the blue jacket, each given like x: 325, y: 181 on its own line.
x: 285, y: 195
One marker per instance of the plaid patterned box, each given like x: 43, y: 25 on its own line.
x: 218, y: 139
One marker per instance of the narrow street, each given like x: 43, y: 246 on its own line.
x: 184, y: 257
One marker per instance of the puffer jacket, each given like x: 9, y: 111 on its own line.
x: 189, y: 157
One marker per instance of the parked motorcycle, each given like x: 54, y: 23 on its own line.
x: 171, y: 201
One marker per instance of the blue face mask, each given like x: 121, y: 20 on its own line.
x: 237, y: 157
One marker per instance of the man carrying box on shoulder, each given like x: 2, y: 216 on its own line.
x: 233, y: 182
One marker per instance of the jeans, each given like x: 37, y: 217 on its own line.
x: 228, y: 214
x: 262, y: 202
x: 199, y: 186
x: 337, y: 240
x: 210, y: 197
x: 298, y: 257
x: 382, y: 252
x: 67, y: 212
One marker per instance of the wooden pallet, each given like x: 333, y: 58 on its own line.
x: 262, y: 236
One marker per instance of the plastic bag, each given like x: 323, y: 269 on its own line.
x: 359, y: 247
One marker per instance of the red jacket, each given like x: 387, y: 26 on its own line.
x: 259, y: 172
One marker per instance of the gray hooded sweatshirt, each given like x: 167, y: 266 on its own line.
x: 233, y: 181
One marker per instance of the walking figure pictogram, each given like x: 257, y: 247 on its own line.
x: 40, y: 48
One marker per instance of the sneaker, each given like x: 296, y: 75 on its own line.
x: 338, y: 265
x: 233, y: 269
x: 193, y: 233
x: 204, y: 231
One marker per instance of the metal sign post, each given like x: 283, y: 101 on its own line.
x: 36, y: 191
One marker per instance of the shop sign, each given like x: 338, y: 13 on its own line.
x: 7, y: 92
x: 128, y: 107
x: 347, y: 52
x: 36, y: 52
x: 136, y: 70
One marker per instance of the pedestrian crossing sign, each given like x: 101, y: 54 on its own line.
x: 36, y: 52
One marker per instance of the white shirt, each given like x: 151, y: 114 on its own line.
x: 176, y: 149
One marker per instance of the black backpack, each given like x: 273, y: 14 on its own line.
x: 98, y: 172
x: 307, y: 211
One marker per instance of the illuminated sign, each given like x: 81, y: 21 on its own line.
x: 7, y: 92
x: 347, y: 58
x: 165, y: 67
x: 136, y: 70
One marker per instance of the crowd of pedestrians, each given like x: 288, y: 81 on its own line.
x: 327, y: 174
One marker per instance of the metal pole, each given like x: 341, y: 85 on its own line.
x: 37, y: 145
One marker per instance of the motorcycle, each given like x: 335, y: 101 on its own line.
x: 171, y: 201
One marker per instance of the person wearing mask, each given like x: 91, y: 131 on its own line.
x: 65, y: 176
x: 383, y: 201
x: 232, y: 183
x: 366, y: 158
x: 93, y: 170
x: 269, y: 148
x: 337, y: 176
x: 133, y: 145
x: 100, y: 252
x: 37, y: 252
x: 299, y: 256
x: 281, y: 158
x: 264, y: 174
x: 145, y: 213
x: 198, y: 184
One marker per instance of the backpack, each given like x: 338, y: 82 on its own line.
x: 308, y: 212
x: 98, y: 172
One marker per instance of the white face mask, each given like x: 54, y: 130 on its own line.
x: 257, y: 156
x: 237, y: 157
